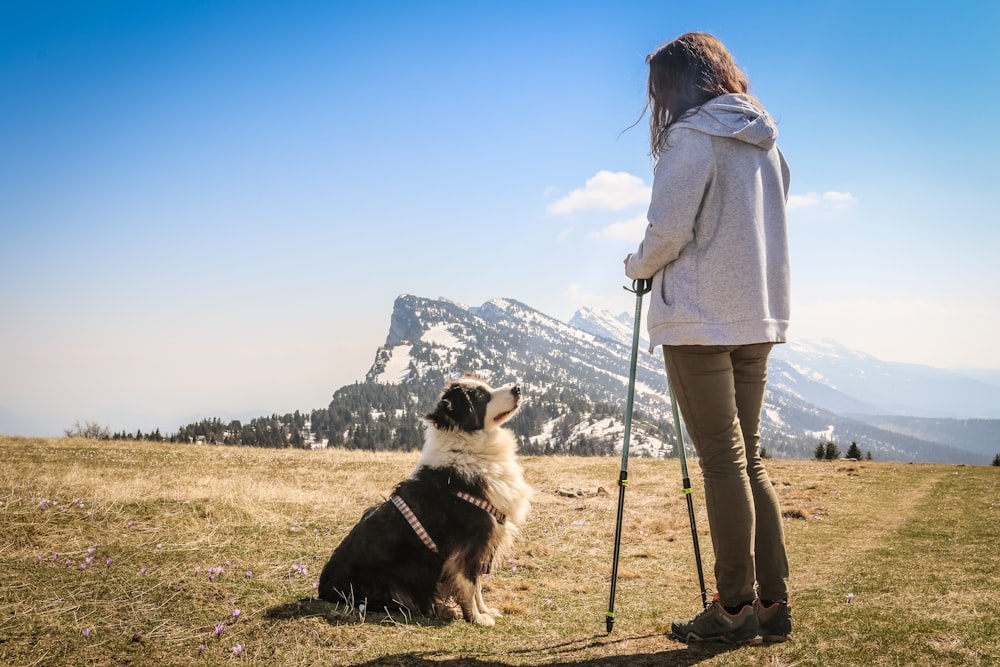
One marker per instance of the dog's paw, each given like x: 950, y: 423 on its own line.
x: 483, y: 619
x: 495, y: 613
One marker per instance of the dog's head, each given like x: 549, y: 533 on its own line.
x: 469, y: 404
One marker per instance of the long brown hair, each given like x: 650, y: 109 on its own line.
x: 685, y: 73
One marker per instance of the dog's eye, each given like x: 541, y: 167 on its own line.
x: 481, y: 395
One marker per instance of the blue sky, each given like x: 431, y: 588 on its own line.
x: 208, y: 208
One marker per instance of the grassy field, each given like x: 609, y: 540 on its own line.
x: 123, y: 553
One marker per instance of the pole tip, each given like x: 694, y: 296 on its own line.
x: 609, y: 623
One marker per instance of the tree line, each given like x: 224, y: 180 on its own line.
x: 829, y: 451
x: 379, y: 417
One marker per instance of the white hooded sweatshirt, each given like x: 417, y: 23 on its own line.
x: 716, y: 245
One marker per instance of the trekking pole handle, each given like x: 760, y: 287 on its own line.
x: 640, y: 286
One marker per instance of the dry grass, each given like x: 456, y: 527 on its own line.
x: 912, y: 546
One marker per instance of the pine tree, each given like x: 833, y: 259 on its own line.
x: 832, y: 452
x: 854, y: 452
x: 996, y: 460
x: 820, y: 452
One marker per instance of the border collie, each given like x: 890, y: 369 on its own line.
x: 426, y: 547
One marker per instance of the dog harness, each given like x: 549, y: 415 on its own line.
x: 414, y: 522
x: 422, y: 533
x: 483, y: 505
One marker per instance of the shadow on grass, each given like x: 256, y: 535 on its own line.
x: 677, y: 657
x: 337, y: 614
x: 559, y: 655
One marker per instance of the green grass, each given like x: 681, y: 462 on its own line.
x: 913, y: 547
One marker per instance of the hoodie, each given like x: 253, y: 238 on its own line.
x: 716, y: 246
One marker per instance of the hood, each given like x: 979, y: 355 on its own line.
x: 735, y: 116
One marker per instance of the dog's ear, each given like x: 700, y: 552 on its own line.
x: 455, y: 410
x: 442, y: 416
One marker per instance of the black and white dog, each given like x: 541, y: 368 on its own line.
x: 425, y: 548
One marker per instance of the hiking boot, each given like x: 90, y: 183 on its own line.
x: 775, y: 621
x: 715, y: 624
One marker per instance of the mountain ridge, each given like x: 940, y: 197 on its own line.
x: 574, y: 376
x: 500, y: 336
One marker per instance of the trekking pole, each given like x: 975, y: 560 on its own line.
x: 687, y: 494
x: 639, y: 287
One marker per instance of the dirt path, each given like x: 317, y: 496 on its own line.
x: 850, y: 513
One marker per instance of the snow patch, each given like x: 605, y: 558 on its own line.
x: 440, y: 334
x: 810, y: 374
x: 397, y: 368
x: 824, y: 435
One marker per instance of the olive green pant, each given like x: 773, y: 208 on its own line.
x: 720, y: 393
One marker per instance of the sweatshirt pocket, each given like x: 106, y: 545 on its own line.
x: 664, y: 286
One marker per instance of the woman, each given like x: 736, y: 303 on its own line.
x: 717, y: 252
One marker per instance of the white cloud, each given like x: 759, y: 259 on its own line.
x: 606, y: 190
x: 839, y: 199
x: 573, y: 291
x: 830, y: 199
x: 623, y: 230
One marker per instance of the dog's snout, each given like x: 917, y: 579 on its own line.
x: 516, y: 391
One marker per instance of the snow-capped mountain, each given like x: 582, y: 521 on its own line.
x: 574, y: 380
x: 848, y: 381
x: 574, y: 376
x: 607, y: 325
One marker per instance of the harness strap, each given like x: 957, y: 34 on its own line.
x: 483, y: 505
x: 414, y: 522
x: 422, y: 533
